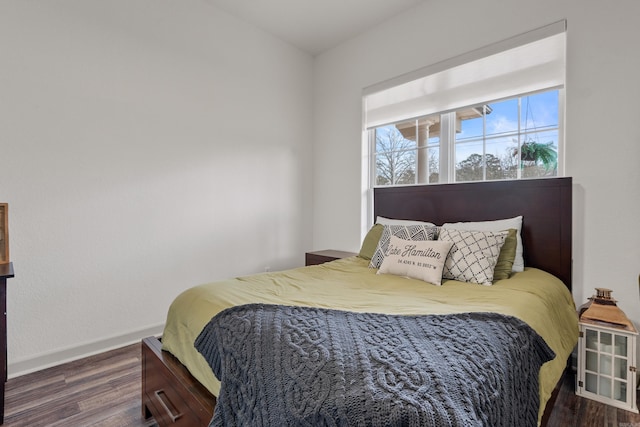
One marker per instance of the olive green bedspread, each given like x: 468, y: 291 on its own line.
x: 534, y: 296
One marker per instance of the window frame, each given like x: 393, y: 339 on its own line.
x: 448, y: 143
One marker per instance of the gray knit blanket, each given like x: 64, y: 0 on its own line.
x: 298, y: 366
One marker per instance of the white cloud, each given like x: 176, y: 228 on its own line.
x: 501, y: 124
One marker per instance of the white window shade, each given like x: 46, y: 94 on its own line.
x: 481, y: 76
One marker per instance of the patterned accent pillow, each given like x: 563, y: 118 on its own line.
x: 497, y: 225
x: 422, y: 260
x: 406, y: 232
x: 473, y: 256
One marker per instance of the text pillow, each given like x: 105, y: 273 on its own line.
x: 422, y: 260
x: 406, y: 232
x: 473, y: 256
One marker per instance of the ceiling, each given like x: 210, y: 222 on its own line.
x: 314, y: 25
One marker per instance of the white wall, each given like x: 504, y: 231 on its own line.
x: 151, y: 145
x: 145, y: 147
x: 602, y: 140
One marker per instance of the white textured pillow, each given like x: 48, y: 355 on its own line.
x: 388, y: 221
x: 497, y: 225
x: 406, y: 232
x: 423, y: 260
x: 473, y: 256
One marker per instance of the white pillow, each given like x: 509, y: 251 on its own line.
x: 473, y: 256
x: 406, y: 232
x: 422, y: 260
x: 497, y: 225
x: 388, y: 221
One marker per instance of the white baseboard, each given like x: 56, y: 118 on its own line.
x: 58, y: 357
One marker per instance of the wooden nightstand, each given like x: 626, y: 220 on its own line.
x: 320, y: 257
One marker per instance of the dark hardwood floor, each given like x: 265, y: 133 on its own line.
x: 101, y: 390
x: 104, y: 390
x: 573, y: 411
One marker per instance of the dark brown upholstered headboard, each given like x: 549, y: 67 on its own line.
x: 545, y: 205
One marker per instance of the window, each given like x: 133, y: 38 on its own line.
x: 495, y: 113
x: 510, y: 139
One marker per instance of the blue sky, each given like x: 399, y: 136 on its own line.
x: 538, y: 118
x: 538, y: 112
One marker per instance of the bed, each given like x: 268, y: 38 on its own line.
x: 179, y: 386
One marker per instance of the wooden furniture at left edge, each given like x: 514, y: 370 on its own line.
x: 6, y: 272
